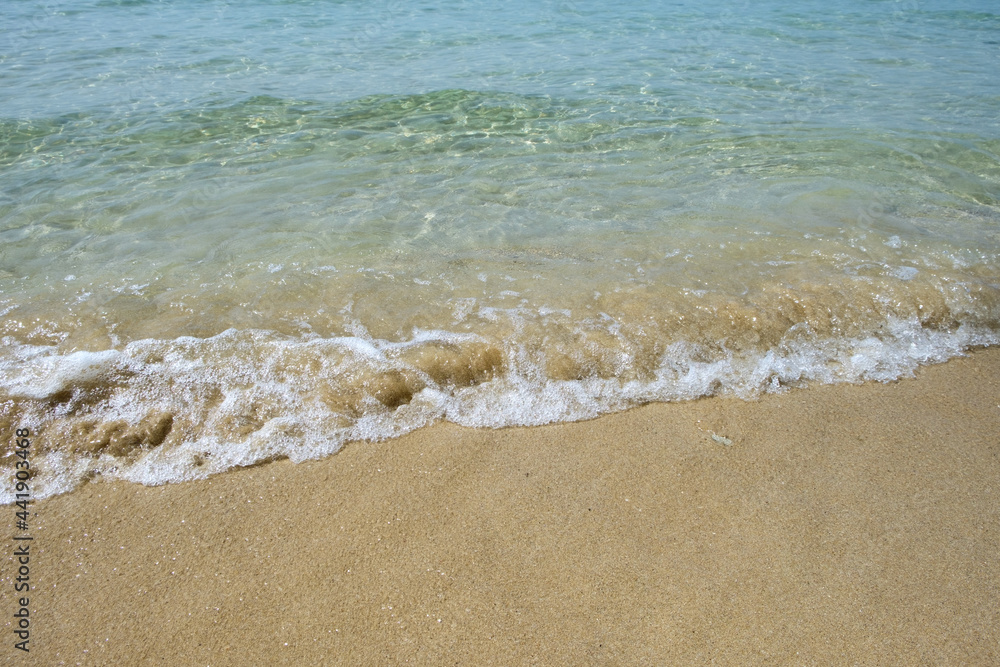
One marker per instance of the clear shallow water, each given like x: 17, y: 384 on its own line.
x: 230, y: 233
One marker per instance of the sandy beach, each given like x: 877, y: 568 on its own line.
x: 842, y: 525
x: 441, y: 333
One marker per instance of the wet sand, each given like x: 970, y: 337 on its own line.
x: 844, y: 524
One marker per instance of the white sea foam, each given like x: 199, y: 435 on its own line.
x: 251, y: 396
x: 47, y: 375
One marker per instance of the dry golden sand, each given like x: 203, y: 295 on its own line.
x: 845, y: 524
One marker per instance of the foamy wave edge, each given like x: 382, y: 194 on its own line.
x: 169, y: 377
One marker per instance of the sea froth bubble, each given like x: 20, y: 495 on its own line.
x: 158, y: 411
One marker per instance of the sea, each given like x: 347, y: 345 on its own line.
x: 233, y: 232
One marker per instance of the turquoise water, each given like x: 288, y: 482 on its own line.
x: 230, y: 233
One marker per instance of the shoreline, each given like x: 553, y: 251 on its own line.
x: 845, y: 523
